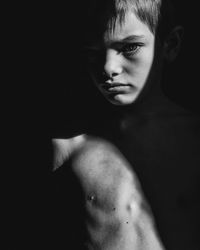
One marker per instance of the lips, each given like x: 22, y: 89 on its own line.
x: 116, y: 87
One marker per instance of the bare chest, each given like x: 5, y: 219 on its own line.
x: 105, y: 176
x: 113, y: 199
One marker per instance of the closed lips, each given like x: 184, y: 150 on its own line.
x: 113, y: 85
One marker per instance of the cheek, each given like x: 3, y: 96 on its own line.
x: 147, y: 61
x: 139, y: 69
x: 95, y: 72
x: 93, y: 75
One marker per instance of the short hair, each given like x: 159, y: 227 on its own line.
x: 158, y: 15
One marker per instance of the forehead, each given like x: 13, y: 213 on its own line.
x: 131, y: 26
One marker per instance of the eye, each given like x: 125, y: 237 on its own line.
x: 93, y: 53
x: 130, y: 49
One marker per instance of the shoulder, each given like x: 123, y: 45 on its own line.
x: 178, y: 118
x: 87, y: 152
x: 83, y: 144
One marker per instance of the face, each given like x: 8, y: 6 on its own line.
x: 121, y: 62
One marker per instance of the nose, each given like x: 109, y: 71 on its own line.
x: 112, y: 66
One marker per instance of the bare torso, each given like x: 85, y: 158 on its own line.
x: 116, y: 214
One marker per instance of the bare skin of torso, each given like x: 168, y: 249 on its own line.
x: 118, y: 215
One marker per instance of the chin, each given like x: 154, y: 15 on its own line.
x: 122, y: 100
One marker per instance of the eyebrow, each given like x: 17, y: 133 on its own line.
x: 131, y: 38
x: 127, y: 39
x: 120, y: 41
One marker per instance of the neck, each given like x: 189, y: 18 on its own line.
x: 152, y: 104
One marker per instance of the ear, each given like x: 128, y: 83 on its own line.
x: 172, y: 44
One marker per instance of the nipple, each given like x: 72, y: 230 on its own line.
x: 91, y: 198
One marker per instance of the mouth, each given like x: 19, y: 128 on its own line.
x: 116, y: 87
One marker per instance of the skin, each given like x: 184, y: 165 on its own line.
x: 117, y: 215
x: 129, y: 54
x: 157, y: 143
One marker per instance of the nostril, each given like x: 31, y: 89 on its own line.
x: 114, y: 74
x: 107, y: 76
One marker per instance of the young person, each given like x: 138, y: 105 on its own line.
x: 131, y: 182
